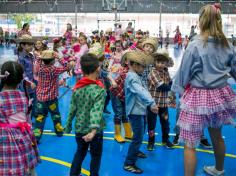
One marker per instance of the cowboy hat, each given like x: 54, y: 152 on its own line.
x: 25, y: 39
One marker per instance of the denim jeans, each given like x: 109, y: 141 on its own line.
x: 137, y: 124
x: 164, y: 120
x: 95, y: 151
x: 119, y: 110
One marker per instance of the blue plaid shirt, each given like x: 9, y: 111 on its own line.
x: 144, y: 76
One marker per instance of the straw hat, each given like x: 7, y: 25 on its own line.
x: 47, y: 55
x: 162, y: 54
x: 25, y: 39
x: 97, y: 50
x: 151, y: 41
x: 139, y: 57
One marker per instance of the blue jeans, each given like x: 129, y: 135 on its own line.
x: 137, y: 124
x: 119, y: 110
x: 82, y: 149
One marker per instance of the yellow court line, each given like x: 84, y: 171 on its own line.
x: 157, y: 144
x: 63, y: 163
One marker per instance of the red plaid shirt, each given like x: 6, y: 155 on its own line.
x: 48, y: 81
x: 120, y: 81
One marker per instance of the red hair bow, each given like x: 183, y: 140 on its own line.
x: 217, y: 6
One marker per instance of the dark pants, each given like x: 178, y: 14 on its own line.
x: 164, y: 120
x: 107, y: 99
x: 137, y: 123
x: 95, y: 151
x: 42, y: 111
x: 119, y: 110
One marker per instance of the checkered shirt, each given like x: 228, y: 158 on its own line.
x: 120, y: 81
x: 155, y: 79
x: 145, y: 74
x: 48, y: 81
x: 17, y: 155
x: 23, y: 32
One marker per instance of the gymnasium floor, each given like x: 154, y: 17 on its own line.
x: 57, y: 153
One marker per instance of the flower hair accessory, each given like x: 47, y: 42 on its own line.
x: 6, y: 74
x: 217, y: 6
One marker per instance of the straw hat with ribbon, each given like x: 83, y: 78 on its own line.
x: 25, y: 39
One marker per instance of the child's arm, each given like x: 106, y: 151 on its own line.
x: 233, y: 67
x: 72, y: 113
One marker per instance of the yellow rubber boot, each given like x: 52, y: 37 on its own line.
x: 118, y: 136
x: 128, y: 130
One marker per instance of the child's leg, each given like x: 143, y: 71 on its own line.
x: 137, y: 124
x: 96, y: 154
x: 219, y: 147
x: 151, y: 121
x: 82, y: 148
x: 116, y: 105
x: 56, y: 117
x: 165, y: 126
x: 42, y: 112
x: 189, y: 161
x: 33, y: 172
x: 126, y: 123
x: 107, y: 102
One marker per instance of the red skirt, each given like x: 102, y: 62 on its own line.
x: 202, y: 108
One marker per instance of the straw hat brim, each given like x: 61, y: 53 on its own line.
x: 159, y: 56
x: 25, y: 41
x: 140, y: 58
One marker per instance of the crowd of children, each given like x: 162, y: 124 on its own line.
x: 128, y: 69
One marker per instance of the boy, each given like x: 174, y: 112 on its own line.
x: 159, y: 84
x: 87, y: 105
x: 137, y: 98
x: 47, y: 93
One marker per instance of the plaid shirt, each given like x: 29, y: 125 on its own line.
x: 23, y: 32
x: 145, y: 74
x: 48, y: 81
x: 156, y: 79
x: 120, y: 81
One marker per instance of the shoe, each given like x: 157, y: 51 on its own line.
x: 141, y: 155
x: 59, y: 134
x: 176, y: 140
x: 133, y: 169
x: 211, y: 170
x: 117, y: 135
x: 106, y: 111
x: 205, y: 144
x: 168, y: 144
x: 150, y: 146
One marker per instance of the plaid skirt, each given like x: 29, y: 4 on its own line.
x: 202, y: 108
x: 18, y: 152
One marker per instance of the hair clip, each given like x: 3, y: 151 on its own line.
x: 6, y: 74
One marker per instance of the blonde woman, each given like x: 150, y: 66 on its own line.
x: 207, y: 99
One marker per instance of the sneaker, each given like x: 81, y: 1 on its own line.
x: 59, y: 134
x: 168, y: 144
x: 141, y: 155
x: 211, y: 170
x: 133, y: 169
x: 150, y: 146
x: 205, y: 144
x: 176, y: 140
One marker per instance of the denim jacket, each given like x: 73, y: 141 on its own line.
x: 137, y: 97
x: 206, y: 66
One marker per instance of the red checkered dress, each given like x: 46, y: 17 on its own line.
x: 120, y: 81
x: 201, y: 108
x: 48, y: 81
x: 155, y: 79
x: 17, y: 154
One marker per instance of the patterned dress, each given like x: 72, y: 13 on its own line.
x: 18, y: 149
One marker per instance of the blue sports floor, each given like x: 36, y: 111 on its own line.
x: 57, y: 153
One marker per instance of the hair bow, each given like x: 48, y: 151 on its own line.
x: 6, y: 74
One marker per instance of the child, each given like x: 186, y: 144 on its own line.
x: 38, y: 48
x: 159, y: 85
x: 87, y: 105
x: 47, y: 93
x: 118, y: 102
x: 137, y: 99
x: 18, y: 149
x: 207, y: 99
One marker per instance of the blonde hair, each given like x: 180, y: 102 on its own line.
x: 210, y: 23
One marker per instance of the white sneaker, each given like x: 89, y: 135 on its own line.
x: 211, y: 170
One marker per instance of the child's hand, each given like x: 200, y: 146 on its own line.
x: 89, y: 137
x: 33, y: 85
x: 114, y: 84
x: 154, y: 109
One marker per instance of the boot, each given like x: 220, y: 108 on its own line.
x: 128, y: 130
x: 118, y: 136
x: 151, y: 141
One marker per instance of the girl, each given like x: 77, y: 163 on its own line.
x: 208, y: 101
x: 18, y: 149
x: 83, y: 50
x: 68, y: 34
x: 38, y: 48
